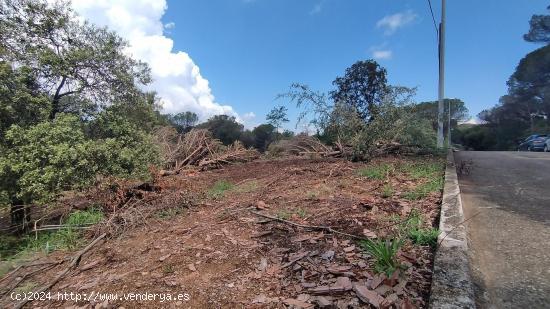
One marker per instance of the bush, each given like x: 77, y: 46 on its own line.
x: 45, y: 159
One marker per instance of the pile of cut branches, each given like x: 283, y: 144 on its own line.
x: 304, y: 145
x: 197, y: 148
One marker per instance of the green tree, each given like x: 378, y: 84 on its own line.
x: 184, y: 121
x: 539, y: 29
x: 429, y: 111
x: 21, y: 101
x: 277, y: 116
x: 223, y: 127
x: 264, y: 135
x: 67, y: 56
x: 363, y: 87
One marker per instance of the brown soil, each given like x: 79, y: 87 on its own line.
x: 225, y: 256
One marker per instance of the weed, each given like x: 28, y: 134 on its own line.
x: 67, y: 238
x: 302, y: 213
x: 387, y: 191
x: 219, y: 189
x: 170, y: 212
x: 26, y: 287
x: 247, y: 187
x: 412, y: 229
x: 378, y: 172
x: 385, y: 254
x: 284, y: 214
x: 422, y: 170
x: 167, y: 269
x: 312, y: 195
x: 424, y: 236
x: 424, y: 189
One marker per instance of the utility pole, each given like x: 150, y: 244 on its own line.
x: 440, y: 106
x: 449, y: 124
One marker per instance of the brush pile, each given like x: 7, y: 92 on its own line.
x: 197, y: 148
x: 304, y: 145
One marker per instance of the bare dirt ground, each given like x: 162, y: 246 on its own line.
x: 223, y: 255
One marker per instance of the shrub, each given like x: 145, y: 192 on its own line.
x: 45, y: 159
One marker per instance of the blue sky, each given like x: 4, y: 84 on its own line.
x: 251, y: 50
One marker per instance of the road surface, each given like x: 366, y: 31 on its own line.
x: 508, y: 193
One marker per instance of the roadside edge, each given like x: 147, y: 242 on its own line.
x: 452, y: 286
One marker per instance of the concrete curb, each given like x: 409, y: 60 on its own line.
x: 452, y: 286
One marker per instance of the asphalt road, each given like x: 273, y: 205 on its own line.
x: 508, y: 195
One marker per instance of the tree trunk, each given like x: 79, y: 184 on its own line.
x: 56, y: 98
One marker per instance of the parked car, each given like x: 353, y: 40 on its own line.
x: 535, y: 142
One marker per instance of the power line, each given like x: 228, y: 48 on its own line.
x: 433, y: 18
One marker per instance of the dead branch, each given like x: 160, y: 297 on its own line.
x: 74, y: 263
x: 197, y: 148
x: 311, y: 227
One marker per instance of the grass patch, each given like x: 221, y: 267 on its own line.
x: 424, y: 189
x: 26, y: 287
x: 249, y: 186
x: 413, y: 230
x: 378, y: 172
x: 220, y: 188
x: 167, y: 269
x: 422, y: 170
x: 67, y: 238
x: 384, y: 253
x: 287, y: 214
x: 387, y: 191
x: 424, y: 237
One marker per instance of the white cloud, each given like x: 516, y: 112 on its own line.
x: 170, y: 25
x: 382, y: 54
x: 391, y: 23
x: 249, y: 116
x: 176, y: 78
x: 471, y: 121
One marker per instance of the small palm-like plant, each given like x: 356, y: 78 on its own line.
x: 385, y: 254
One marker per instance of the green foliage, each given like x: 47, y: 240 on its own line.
x: 363, y: 88
x: 424, y: 237
x: 429, y: 111
x: 384, y: 253
x: 20, y: 100
x: 223, y: 127
x: 378, y: 171
x: 264, y: 135
x: 539, y: 29
x: 184, y: 121
x: 54, y: 156
x: 70, y: 58
x: 66, y: 238
x: 277, y: 116
x: 46, y: 159
x: 424, y: 189
x: 525, y: 109
x: 422, y: 169
x: 412, y: 229
x: 220, y: 188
